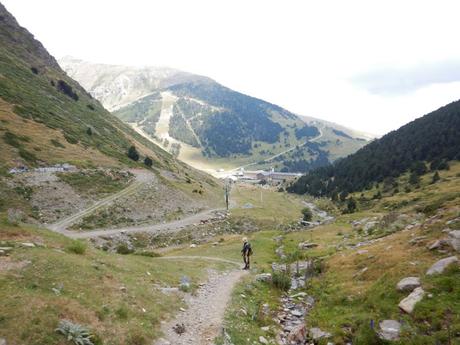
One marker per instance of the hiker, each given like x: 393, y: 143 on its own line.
x: 246, y: 252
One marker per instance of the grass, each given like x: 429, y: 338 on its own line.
x: 104, y: 292
x: 96, y: 182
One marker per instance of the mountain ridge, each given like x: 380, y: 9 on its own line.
x: 206, y: 124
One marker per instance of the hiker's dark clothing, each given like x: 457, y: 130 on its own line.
x: 246, y: 252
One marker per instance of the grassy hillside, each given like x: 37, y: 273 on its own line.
x: 36, y: 93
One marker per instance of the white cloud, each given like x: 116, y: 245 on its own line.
x: 302, y: 55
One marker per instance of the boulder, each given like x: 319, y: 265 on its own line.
x: 316, y: 333
x: 3, y: 341
x: 389, y: 330
x: 264, y: 277
x: 408, y: 284
x: 441, y: 265
x: 454, y: 237
x: 408, y: 304
x: 298, y: 335
x: 28, y: 244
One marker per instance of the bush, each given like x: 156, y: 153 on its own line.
x: 122, y: 312
x: 133, y: 154
x: 281, y: 281
x: 77, y: 247
x: 307, y: 214
x: 67, y: 90
x: 123, y: 249
x: 148, y: 161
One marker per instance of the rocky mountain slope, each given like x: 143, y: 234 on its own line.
x: 432, y: 138
x: 208, y: 125
x: 47, y: 118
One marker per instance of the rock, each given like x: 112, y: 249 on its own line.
x: 316, y: 333
x: 417, y: 239
x: 264, y: 277
x: 454, y: 237
x: 298, y: 335
x: 307, y: 245
x: 3, y: 341
x: 438, y: 244
x: 389, y: 330
x: 408, y: 284
x: 265, y: 329
x: 362, y: 251
x: 262, y: 340
x: 296, y: 313
x: 123, y: 289
x: 193, y: 245
x: 370, y: 226
x: 408, y: 303
x: 441, y: 265
x: 5, y: 251
x: 28, y: 244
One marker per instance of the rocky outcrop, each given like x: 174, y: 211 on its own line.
x: 264, y: 277
x: 408, y: 304
x: 316, y: 333
x: 408, y: 284
x: 441, y: 265
x: 307, y: 245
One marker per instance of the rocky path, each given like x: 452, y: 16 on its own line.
x: 203, y: 318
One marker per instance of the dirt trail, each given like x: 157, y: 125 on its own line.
x: 142, y: 176
x: 157, y: 228
x: 204, y: 317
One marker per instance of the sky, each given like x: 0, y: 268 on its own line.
x: 369, y: 65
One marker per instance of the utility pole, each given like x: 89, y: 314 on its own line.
x: 227, y: 192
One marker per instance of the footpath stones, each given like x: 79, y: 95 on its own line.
x: 408, y: 284
x: 389, y: 330
x: 408, y: 304
x: 441, y: 265
x: 298, y: 335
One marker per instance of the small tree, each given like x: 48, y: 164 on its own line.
x: 307, y: 214
x: 436, y: 177
x: 148, y: 161
x: 351, y: 205
x: 89, y: 131
x: 133, y: 154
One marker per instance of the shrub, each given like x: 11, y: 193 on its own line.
x: 77, y: 247
x: 122, y: 312
x: 133, y: 154
x: 67, y: 90
x: 74, y: 332
x: 148, y: 161
x: 123, y: 249
x: 89, y: 131
x: 34, y: 70
x: 281, y: 281
x: 307, y: 214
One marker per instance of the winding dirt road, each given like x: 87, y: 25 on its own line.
x: 142, y: 177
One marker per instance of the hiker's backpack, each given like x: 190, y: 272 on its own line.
x: 249, y: 249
